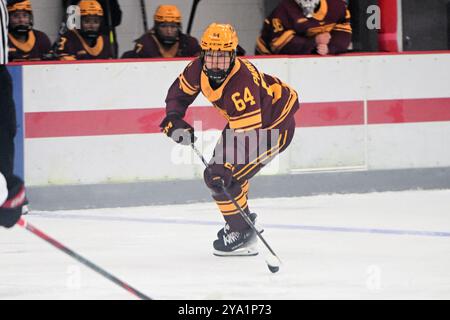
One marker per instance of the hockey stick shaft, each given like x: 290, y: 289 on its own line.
x: 192, y: 15
x: 111, y: 30
x: 144, y: 15
x: 241, y: 211
x: 23, y: 223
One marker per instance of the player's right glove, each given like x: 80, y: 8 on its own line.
x: 178, y: 129
x: 218, y: 176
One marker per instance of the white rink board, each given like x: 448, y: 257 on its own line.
x: 409, y: 145
x: 143, y: 85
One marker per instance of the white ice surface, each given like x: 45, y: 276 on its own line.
x: 332, y: 247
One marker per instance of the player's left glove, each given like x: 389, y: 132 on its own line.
x: 178, y: 129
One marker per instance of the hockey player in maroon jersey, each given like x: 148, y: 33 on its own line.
x: 25, y: 43
x: 165, y: 39
x: 306, y: 27
x: 255, y: 105
x: 87, y: 43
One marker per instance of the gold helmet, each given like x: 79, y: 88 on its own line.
x: 167, y: 16
x: 21, y: 27
x: 219, y: 37
x: 218, y: 42
x: 90, y: 8
x: 23, y: 5
x: 167, y: 13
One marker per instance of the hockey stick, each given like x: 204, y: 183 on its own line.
x: 192, y: 15
x: 272, y: 260
x: 111, y: 31
x: 144, y: 15
x: 80, y: 259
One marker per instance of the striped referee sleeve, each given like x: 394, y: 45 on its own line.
x: 3, y: 33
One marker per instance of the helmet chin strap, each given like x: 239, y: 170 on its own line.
x: 91, y: 35
x: 20, y: 31
x: 168, y: 41
x: 218, y: 76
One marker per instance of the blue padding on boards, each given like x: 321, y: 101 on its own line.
x: 16, y: 74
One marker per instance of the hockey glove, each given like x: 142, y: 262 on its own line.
x: 178, y: 129
x: 217, y: 176
x: 11, y: 210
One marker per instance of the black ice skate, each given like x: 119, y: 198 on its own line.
x: 226, y: 229
x: 236, y: 243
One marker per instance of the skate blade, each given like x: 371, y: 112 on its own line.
x: 241, y: 252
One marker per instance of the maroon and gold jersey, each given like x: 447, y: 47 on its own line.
x: 288, y: 31
x: 37, y: 45
x: 72, y: 46
x: 148, y: 46
x: 248, y: 99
